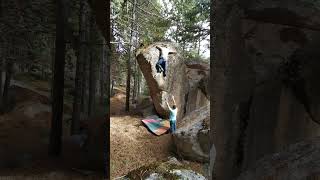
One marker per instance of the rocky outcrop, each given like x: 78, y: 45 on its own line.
x: 192, y: 138
x: 161, y: 88
x: 265, y: 95
x: 187, y: 82
x: 285, y: 65
x: 297, y: 162
x: 197, y: 95
x: 299, y: 13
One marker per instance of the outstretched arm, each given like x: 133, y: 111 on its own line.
x: 173, y: 52
x: 168, y: 106
x: 173, y: 99
x: 158, y: 48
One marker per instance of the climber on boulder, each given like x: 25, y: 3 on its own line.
x: 173, y: 115
x: 161, y: 64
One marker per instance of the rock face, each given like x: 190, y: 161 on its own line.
x: 297, y: 162
x: 192, y: 138
x: 197, y: 95
x: 265, y: 93
x: 188, y: 82
x: 161, y: 88
x: 285, y: 65
x: 182, y: 80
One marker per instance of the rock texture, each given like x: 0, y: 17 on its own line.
x: 197, y: 95
x: 264, y: 94
x: 171, y: 169
x: 192, y: 138
x: 299, y: 161
x: 161, y: 88
x: 187, y: 82
x: 285, y: 64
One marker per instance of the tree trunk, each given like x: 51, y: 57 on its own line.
x: 139, y: 85
x: 78, y: 96
x: 103, y: 20
x: 83, y: 86
x: 199, y: 45
x: 112, y: 86
x: 1, y: 8
x: 138, y: 72
x: 92, y: 87
x: 92, y: 67
x: 107, y: 130
x: 84, y: 96
x: 9, y: 71
x: 86, y: 82
x: 134, y: 90
x: 129, y: 58
x: 128, y: 82
x: 1, y: 82
x: 58, y: 82
x: 42, y: 71
x: 52, y: 51
x: 102, y: 74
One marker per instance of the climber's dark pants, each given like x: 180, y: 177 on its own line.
x: 172, y: 126
x: 161, y: 66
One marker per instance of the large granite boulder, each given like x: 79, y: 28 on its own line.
x: 192, y: 138
x: 186, y: 81
x: 161, y: 88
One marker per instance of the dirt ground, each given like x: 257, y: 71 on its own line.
x: 24, y: 139
x: 132, y: 145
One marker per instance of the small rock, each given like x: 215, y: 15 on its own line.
x: 187, y: 174
x: 192, y: 139
x: 173, y: 160
x: 154, y: 176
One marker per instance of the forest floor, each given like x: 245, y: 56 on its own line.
x: 24, y: 139
x: 132, y: 145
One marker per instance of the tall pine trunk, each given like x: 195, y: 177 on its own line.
x: 134, y: 90
x: 9, y: 71
x: 92, y: 87
x: 138, y: 84
x: 84, y: 96
x: 92, y: 66
x: 129, y: 58
x: 52, y: 54
x: 58, y: 82
x: 128, y: 81
x: 112, y: 87
x: 136, y: 77
x: 107, y: 97
x: 1, y: 82
x: 78, y: 91
x: 199, y: 45
x: 102, y: 74
x: 85, y: 83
